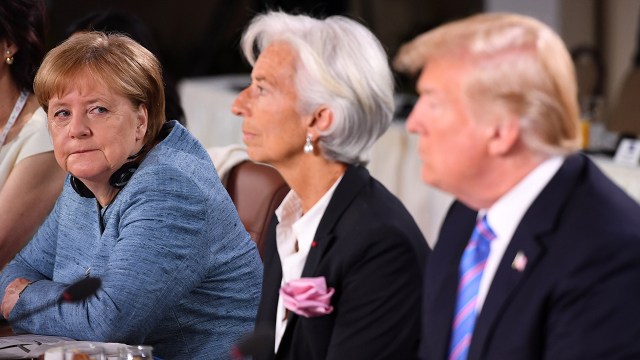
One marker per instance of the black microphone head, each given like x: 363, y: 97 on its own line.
x: 81, y: 290
x: 260, y: 342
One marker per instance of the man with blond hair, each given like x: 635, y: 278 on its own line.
x: 539, y: 257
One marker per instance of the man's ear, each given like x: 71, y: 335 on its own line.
x: 504, y: 136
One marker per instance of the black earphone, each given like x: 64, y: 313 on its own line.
x: 120, y: 177
x: 118, y: 180
x: 80, y: 188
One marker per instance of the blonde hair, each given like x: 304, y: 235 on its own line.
x: 114, y: 60
x: 517, y: 62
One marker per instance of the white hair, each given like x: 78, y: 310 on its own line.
x: 342, y: 66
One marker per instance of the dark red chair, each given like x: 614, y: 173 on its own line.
x: 256, y: 190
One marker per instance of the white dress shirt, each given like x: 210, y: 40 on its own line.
x: 294, y: 226
x: 505, y: 216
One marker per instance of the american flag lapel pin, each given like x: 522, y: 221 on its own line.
x: 519, y: 262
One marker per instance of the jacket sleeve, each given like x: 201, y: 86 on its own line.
x: 594, y: 312
x: 36, y: 260
x: 378, y: 312
x: 160, y: 256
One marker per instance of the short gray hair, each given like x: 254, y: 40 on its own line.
x: 343, y: 66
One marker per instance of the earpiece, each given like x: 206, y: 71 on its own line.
x: 121, y: 177
x: 118, y: 180
x: 80, y: 188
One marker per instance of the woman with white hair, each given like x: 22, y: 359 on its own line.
x: 344, y: 258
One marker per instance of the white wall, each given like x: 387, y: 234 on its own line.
x: 574, y: 21
x: 547, y: 11
x: 577, y: 26
x: 621, y: 24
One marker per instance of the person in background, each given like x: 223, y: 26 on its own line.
x: 537, y: 257
x: 344, y: 257
x: 130, y: 25
x: 142, y: 209
x: 30, y: 179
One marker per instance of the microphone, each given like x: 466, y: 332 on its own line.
x: 260, y: 342
x: 75, y: 292
x: 81, y: 289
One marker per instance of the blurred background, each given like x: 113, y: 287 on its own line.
x: 198, y: 45
x: 200, y: 37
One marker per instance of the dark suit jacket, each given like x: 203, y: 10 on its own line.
x: 579, y: 294
x: 371, y: 251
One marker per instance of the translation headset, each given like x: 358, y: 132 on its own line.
x: 118, y: 179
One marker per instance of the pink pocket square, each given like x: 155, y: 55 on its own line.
x: 308, y: 297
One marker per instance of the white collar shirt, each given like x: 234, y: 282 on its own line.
x: 294, y: 237
x: 505, y: 216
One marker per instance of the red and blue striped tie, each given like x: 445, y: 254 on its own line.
x: 472, y: 265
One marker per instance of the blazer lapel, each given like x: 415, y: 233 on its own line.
x: 441, y: 281
x: 266, y: 316
x: 352, y: 182
x: 272, y: 279
x: 529, y: 240
x: 504, y: 285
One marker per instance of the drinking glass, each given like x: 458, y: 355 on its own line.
x: 136, y: 352
x: 83, y: 351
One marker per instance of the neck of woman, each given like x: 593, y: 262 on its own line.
x: 313, y: 179
x: 104, y: 193
x: 10, y: 94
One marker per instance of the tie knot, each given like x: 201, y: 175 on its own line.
x: 482, y: 232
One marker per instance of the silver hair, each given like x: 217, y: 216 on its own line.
x: 342, y: 66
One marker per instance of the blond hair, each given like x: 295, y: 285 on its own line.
x: 118, y: 62
x: 518, y: 63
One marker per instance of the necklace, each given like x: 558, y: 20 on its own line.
x: 102, y: 211
x: 17, y: 108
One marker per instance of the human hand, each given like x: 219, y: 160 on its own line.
x: 12, y: 294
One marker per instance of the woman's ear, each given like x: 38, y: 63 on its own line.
x: 321, y: 121
x: 142, y: 120
x: 8, y: 48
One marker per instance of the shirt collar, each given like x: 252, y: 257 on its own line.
x: 505, y: 215
x: 304, y: 226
